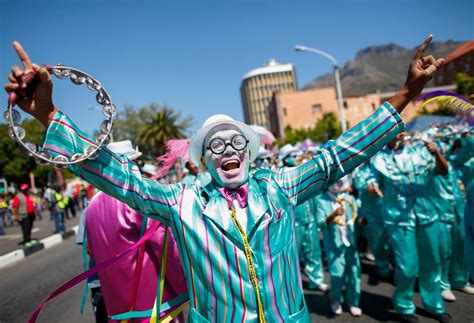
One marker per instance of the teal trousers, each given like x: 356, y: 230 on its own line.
x: 417, y: 253
x: 457, y: 268
x: 344, y: 269
x: 309, y: 252
x: 378, y: 241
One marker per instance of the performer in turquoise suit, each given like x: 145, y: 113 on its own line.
x: 235, y: 235
x: 404, y: 174
x: 469, y: 227
x: 306, y: 230
x: 449, y: 203
x: 463, y: 161
x: 371, y: 209
x: 340, y: 244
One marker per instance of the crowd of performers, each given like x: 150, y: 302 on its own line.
x: 236, y: 234
x: 408, y: 202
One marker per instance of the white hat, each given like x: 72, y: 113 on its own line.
x: 197, y: 140
x: 263, y: 153
x: 341, y: 184
x: 285, y: 151
x: 125, y: 147
x: 149, y: 168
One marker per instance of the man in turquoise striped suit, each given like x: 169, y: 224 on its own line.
x: 235, y: 235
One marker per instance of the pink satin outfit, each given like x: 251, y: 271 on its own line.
x: 111, y: 227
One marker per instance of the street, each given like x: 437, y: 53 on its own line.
x: 25, y: 284
x: 41, y: 229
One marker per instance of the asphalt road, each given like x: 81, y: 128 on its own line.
x: 25, y: 284
x: 41, y: 229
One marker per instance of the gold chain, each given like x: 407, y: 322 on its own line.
x: 248, y: 255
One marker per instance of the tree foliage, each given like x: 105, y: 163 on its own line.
x: 326, y: 128
x: 150, y: 127
x: 14, y: 165
x: 465, y: 85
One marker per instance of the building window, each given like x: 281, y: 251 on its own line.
x: 317, y: 108
x: 285, y: 112
x: 345, y: 105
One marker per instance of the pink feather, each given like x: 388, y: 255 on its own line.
x: 177, y: 148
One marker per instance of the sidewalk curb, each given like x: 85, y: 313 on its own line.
x: 19, y: 254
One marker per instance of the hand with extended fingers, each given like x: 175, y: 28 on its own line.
x: 36, y: 101
x: 421, y: 70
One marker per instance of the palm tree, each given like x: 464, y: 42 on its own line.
x: 164, y: 125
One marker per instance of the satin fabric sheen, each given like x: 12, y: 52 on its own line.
x: 210, y: 246
x: 111, y: 227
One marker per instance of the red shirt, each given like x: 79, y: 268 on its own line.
x: 30, y: 207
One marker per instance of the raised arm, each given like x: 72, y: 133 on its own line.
x: 339, y: 157
x: 113, y: 174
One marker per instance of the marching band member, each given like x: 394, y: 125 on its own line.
x: 336, y: 213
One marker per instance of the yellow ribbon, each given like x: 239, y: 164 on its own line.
x: 251, y: 266
x: 153, y: 318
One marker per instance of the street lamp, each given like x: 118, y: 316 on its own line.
x: 336, y: 67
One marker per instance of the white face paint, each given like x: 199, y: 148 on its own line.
x: 231, y: 168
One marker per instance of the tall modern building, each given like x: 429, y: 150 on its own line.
x: 258, y: 87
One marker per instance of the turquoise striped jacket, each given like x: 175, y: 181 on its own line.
x: 211, y: 249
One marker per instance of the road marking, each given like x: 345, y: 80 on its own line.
x: 17, y: 236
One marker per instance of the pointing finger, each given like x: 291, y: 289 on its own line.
x: 25, y: 60
x: 421, y: 51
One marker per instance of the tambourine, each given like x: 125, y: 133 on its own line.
x: 77, y: 77
x: 338, y: 221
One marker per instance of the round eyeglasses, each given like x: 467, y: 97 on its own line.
x: 218, y: 145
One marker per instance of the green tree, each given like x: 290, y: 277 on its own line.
x: 14, y: 165
x: 465, y: 85
x: 326, y: 128
x: 150, y: 127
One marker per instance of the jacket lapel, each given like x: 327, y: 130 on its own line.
x: 217, y: 210
x: 257, y: 207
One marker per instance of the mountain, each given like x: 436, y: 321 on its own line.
x: 381, y: 67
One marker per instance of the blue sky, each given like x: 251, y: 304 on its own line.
x: 191, y: 55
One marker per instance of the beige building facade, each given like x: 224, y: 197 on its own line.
x: 258, y: 87
x: 302, y: 109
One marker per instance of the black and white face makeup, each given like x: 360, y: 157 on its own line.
x: 231, y: 167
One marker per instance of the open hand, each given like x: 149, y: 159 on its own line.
x: 36, y: 101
